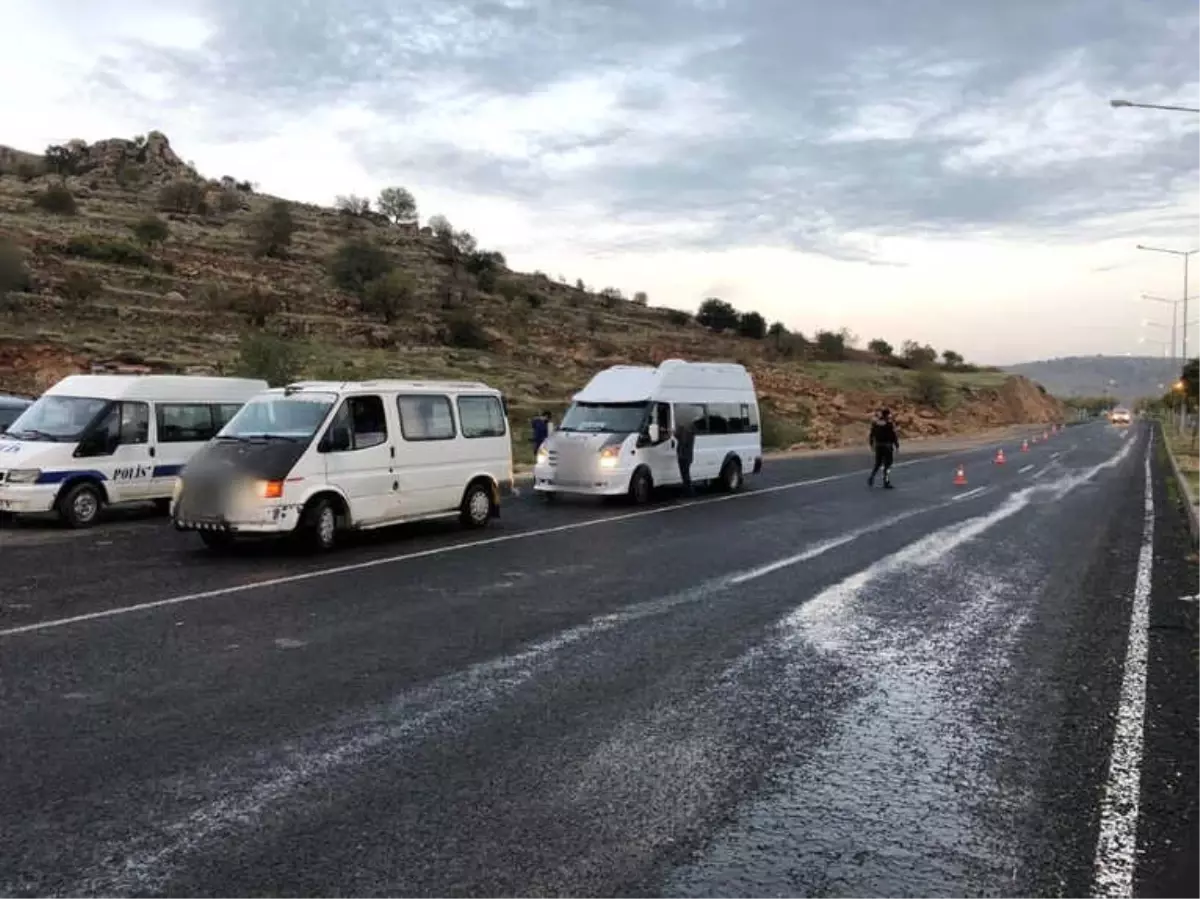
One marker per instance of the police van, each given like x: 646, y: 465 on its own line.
x: 317, y: 458
x: 618, y: 436
x: 96, y: 440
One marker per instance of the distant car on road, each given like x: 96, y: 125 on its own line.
x: 1121, y: 416
x: 10, y: 408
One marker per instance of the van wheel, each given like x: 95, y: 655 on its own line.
x: 319, y: 529
x: 641, y: 487
x: 731, y: 476
x: 80, y: 505
x: 217, y: 541
x: 476, y: 506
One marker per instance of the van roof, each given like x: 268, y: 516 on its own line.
x: 389, y: 385
x: 159, y: 387
x: 634, y: 383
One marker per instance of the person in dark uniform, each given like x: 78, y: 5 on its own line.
x: 685, y: 444
x: 884, y: 441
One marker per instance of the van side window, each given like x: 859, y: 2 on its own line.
x: 750, y: 416
x: 184, y: 422
x: 693, y: 414
x: 481, y: 416
x: 359, y: 423
x: 135, y: 423
x: 425, y: 417
x: 729, y: 418
x: 368, y: 421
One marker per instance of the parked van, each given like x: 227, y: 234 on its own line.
x: 96, y: 440
x: 317, y: 458
x: 617, y: 438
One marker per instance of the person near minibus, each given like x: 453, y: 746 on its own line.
x: 884, y: 440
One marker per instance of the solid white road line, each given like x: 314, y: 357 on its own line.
x: 1025, y: 469
x: 440, y: 550
x: 1116, y: 846
x: 969, y: 494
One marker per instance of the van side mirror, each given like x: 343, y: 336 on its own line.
x: 654, y: 432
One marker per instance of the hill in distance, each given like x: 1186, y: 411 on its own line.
x: 119, y: 256
x: 1125, y: 378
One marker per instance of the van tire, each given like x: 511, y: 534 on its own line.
x: 477, y: 506
x: 641, y: 487
x: 162, y: 506
x: 732, y: 479
x: 80, y: 505
x: 319, y: 525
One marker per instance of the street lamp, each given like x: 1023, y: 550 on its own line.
x: 1174, y: 304
x: 1186, y: 254
x: 1118, y: 104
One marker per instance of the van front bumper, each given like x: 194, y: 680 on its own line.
x: 607, y: 483
x: 20, y: 499
x: 261, y: 521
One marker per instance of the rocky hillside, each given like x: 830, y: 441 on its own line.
x: 119, y: 256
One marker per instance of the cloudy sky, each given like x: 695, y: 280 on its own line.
x: 946, y: 170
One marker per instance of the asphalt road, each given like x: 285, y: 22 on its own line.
x: 810, y: 688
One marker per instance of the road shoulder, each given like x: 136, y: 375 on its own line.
x: 1169, y: 828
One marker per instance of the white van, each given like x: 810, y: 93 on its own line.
x: 96, y: 440
x: 618, y: 436
x: 316, y: 458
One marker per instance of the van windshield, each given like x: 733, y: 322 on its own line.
x: 605, y: 418
x: 56, y: 418
x: 279, y: 416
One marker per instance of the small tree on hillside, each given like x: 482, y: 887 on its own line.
x: 398, y: 204
x: 56, y: 199
x: 881, y: 347
x: 263, y: 355
x: 930, y: 389
x: 356, y: 263
x: 14, y: 276
x: 777, y: 332
x: 951, y: 360
x: 389, y: 296
x: 717, y: 315
x: 60, y: 160
x: 463, y: 243
x: 918, y: 355
x: 831, y: 345
x: 640, y: 298
x: 352, y: 204
x: 752, y: 325
x: 272, y: 229
x: 441, y: 228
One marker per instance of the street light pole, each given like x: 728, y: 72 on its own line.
x: 1117, y: 104
x: 1187, y: 255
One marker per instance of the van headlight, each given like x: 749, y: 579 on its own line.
x: 176, y: 490
x: 609, y: 456
x: 543, y: 455
x: 24, y: 475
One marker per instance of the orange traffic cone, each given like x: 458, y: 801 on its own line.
x: 960, y: 477
x: 1045, y: 435
x: 1000, y: 456
x: 1024, y: 446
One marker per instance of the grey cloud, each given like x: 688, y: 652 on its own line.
x: 941, y: 75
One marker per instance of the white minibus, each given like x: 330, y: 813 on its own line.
x: 96, y: 440
x: 617, y: 438
x: 317, y: 458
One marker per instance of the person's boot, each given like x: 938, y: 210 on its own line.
x: 887, y: 483
x: 871, y: 480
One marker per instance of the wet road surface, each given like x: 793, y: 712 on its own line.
x: 810, y: 688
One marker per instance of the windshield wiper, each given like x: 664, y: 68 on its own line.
x: 35, y: 434
x: 268, y: 437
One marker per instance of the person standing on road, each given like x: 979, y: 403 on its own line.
x: 542, y: 427
x: 685, y: 444
x: 884, y: 440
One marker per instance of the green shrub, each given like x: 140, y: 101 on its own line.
x: 56, y: 199
x: 103, y: 249
x: 356, y: 263
x: 262, y: 355
x: 929, y: 388
x: 464, y: 331
x: 272, y: 229
x: 256, y: 306
x: 779, y: 433
x: 14, y: 276
x: 184, y: 197
x: 151, y: 230
x: 389, y: 296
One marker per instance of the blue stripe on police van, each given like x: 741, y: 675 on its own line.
x: 57, y: 477
x: 167, y: 471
